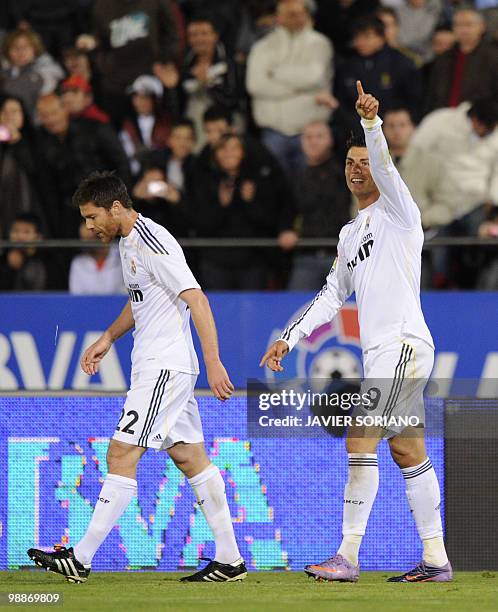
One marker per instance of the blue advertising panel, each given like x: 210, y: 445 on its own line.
x: 285, y: 495
x: 42, y: 338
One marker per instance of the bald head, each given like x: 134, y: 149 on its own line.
x: 317, y: 142
x: 469, y: 27
x: 293, y: 15
x: 53, y: 115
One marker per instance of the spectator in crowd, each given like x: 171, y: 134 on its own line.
x: 469, y: 70
x: 259, y: 18
x: 29, y: 72
x: 465, y: 140
x: 422, y: 171
x: 216, y: 121
x: 390, y: 19
x: 234, y: 202
x: 58, y: 22
x: 258, y: 160
x: 417, y: 21
x: 68, y: 150
x: 77, y: 97
x: 208, y: 76
x: 147, y: 127
x: 228, y: 17
x: 286, y: 71
x: 129, y: 38
x: 165, y: 189
x: 97, y: 270
x: 335, y: 18
x: 24, y: 269
x: 391, y: 77
x: 322, y: 206
x: 78, y: 62
x: 442, y: 40
x: 18, y: 165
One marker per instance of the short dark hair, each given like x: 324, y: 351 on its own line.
x: 102, y: 189
x: 184, y: 122
x: 356, y: 139
x: 369, y: 22
x: 205, y: 16
x: 217, y: 113
x: 485, y: 110
x: 28, y: 217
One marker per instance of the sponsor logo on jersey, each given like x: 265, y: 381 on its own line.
x: 363, y: 252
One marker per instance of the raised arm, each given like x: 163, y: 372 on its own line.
x: 322, y: 309
x: 399, y: 204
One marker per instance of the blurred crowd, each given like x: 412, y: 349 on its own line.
x: 230, y: 119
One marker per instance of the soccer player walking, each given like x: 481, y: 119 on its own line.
x: 379, y: 258
x: 160, y: 411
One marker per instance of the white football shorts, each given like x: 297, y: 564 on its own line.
x: 395, y: 376
x: 160, y: 410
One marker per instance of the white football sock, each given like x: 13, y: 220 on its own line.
x: 424, y: 498
x: 115, y: 495
x: 209, y: 489
x: 359, y: 496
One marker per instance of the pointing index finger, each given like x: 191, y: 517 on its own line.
x: 359, y: 88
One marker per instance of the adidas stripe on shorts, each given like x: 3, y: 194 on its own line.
x: 395, y: 376
x: 160, y: 410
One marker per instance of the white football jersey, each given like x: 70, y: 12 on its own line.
x: 379, y: 258
x: 155, y: 272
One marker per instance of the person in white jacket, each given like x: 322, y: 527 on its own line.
x: 286, y: 71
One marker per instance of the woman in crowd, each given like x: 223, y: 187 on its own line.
x: 235, y: 200
x: 29, y: 71
x: 18, y: 178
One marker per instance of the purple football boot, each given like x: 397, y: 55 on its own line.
x: 426, y: 573
x: 335, y: 569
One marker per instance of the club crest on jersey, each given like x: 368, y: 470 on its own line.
x: 133, y: 267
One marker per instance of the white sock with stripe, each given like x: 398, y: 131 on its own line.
x: 424, y: 498
x: 359, y: 496
x: 209, y: 489
x: 115, y: 495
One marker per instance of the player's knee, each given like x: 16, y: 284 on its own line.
x: 121, y: 457
x: 189, y: 458
x: 406, y: 457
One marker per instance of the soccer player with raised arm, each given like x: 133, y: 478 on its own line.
x: 160, y: 410
x: 379, y: 258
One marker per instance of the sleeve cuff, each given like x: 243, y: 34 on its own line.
x: 371, y: 124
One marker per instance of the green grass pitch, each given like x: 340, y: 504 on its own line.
x: 261, y: 591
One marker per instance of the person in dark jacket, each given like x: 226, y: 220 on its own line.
x: 19, y: 188
x: 129, y: 37
x: 208, y: 76
x: 24, y: 269
x: 469, y: 70
x: 391, y: 77
x: 164, y: 191
x: 322, y: 206
x: 235, y: 201
x: 69, y: 150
